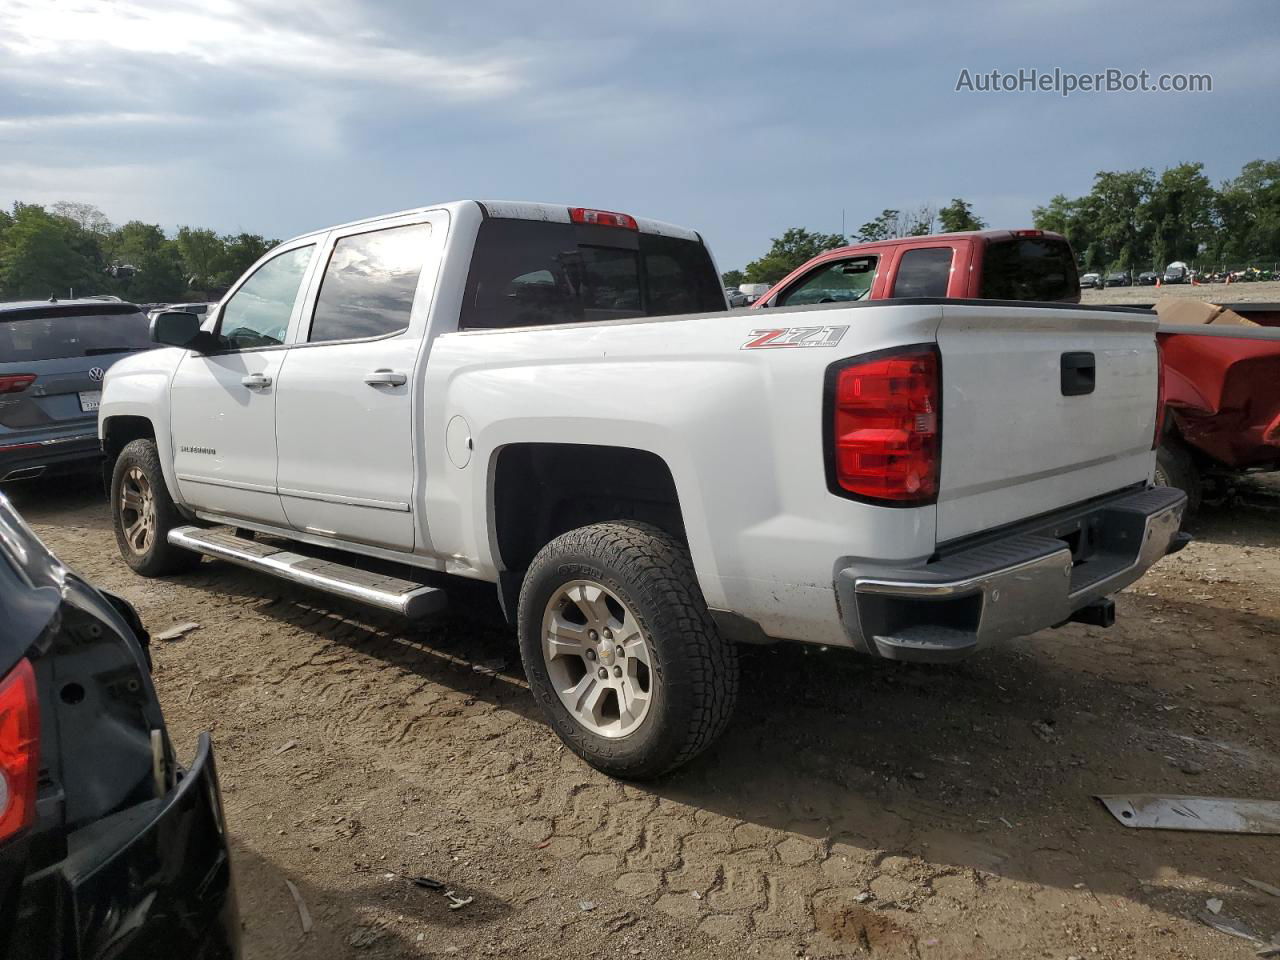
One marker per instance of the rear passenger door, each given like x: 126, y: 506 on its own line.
x: 927, y: 272
x: 346, y: 406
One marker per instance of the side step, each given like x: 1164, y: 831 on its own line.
x: 404, y: 597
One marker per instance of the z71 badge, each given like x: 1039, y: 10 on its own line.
x: 781, y: 337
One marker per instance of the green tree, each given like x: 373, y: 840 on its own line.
x: 957, y: 216
x: 789, y: 251
x: 1179, y: 214
x: 884, y: 227
x: 45, y: 255
x: 732, y: 278
x: 202, y: 252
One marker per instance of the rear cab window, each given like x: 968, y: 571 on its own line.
x: 530, y: 273
x: 1030, y: 268
x: 369, y: 284
x: 923, y: 272
x: 55, y: 333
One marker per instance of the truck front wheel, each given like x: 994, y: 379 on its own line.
x: 621, y: 652
x: 143, y: 513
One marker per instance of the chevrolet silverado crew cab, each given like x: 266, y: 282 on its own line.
x: 557, y: 400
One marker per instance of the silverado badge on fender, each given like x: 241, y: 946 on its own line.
x: 794, y: 337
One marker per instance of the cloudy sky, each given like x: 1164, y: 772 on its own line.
x: 739, y: 119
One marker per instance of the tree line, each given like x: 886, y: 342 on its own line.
x: 1129, y: 220
x: 73, y: 249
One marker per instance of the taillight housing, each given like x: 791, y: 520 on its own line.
x: 16, y: 382
x: 603, y: 218
x: 1160, y: 398
x: 19, y: 749
x: 884, y: 427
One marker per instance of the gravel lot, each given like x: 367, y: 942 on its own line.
x: 1268, y: 292
x: 855, y: 808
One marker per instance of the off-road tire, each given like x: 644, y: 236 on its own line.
x: 696, y: 670
x: 1176, y: 468
x: 159, y: 558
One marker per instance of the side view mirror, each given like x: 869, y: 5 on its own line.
x: 174, y: 328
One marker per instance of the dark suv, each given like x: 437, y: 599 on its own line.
x: 53, y: 356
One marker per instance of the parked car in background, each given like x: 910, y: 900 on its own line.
x: 1148, y: 278
x: 1176, y: 272
x: 735, y: 297
x: 109, y: 848
x: 1119, y: 279
x: 1032, y: 265
x: 199, y: 309
x: 753, y: 291
x: 555, y: 400
x: 1090, y: 281
x: 53, y: 357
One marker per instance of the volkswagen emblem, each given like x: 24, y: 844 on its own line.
x: 96, y: 373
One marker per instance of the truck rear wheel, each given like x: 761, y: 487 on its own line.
x: 621, y: 652
x: 1176, y: 468
x: 143, y: 513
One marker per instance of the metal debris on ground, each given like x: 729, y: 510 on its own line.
x: 173, y: 633
x: 1231, y: 926
x: 365, y: 936
x: 1264, y: 887
x: 456, y: 902
x: 1150, y: 811
x: 304, y: 915
x: 429, y: 883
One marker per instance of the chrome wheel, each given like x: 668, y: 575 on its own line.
x: 598, y: 659
x: 137, y: 510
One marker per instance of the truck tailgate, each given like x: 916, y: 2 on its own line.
x: 1041, y: 408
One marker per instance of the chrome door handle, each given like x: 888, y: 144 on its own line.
x: 391, y: 378
x: 256, y: 381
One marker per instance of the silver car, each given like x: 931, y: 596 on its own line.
x: 53, y: 356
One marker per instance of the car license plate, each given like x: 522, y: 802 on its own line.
x: 89, y: 399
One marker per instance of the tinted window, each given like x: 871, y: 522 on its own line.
x: 923, y: 272
x: 257, y: 315
x: 839, y: 282
x: 46, y: 337
x: 1029, y: 269
x: 527, y: 273
x: 368, y: 287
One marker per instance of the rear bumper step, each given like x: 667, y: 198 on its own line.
x: 405, y: 597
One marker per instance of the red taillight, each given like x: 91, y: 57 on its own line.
x: 1155, y: 441
x: 886, y: 438
x: 1027, y: 233
x: 16, y: 382
x: 603, y: 218
x: 19, y: 749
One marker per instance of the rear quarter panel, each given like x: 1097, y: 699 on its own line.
x: 740, y: 430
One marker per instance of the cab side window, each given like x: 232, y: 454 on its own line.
x: 369, y: 284
x: 257, y: 315
x: 923, y: 272
x: 843, y: 281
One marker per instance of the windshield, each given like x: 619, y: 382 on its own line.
x: 26, y: 339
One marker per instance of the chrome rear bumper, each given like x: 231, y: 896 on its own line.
x: 1034, y: 577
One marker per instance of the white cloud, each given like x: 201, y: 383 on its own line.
x: 233, y: 35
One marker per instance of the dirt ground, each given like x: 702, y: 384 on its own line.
x: 854, y: 808
x: 1268, y: 292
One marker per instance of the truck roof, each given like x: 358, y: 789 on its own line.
x: 940, y: 237
x: 519, y: 210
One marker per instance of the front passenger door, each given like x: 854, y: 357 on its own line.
x: 224, y: 403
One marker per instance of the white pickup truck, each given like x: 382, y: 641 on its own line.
x: 556, y: 400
